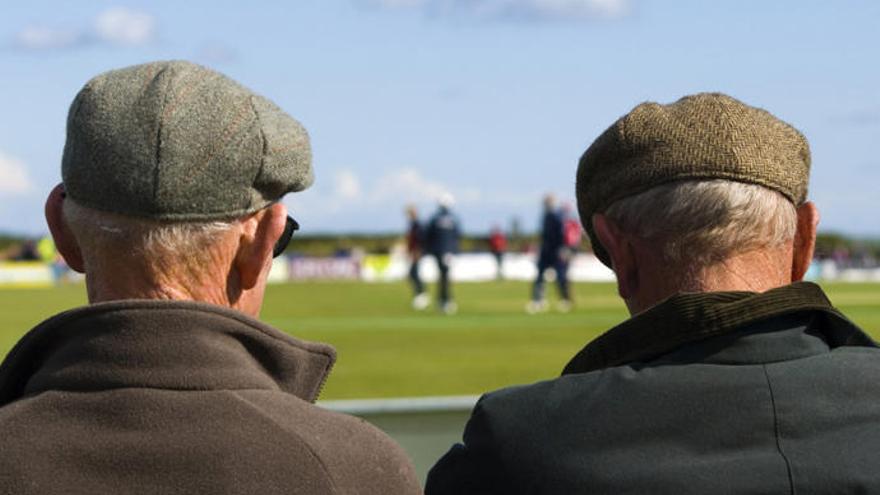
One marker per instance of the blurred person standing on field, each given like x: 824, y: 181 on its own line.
x: 415, y: 240
x: 166, y: 382
x: 572, y: 232
x: 442, y: 239
x: 498, y: 246
x: 552, y: 254
x: 731, y: 375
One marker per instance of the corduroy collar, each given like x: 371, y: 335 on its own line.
x: 690, y: 317
x: 174, y: 345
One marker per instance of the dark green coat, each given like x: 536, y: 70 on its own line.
x: 744, y: 393
x: 161, y: 397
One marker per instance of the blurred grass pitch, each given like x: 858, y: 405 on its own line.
x: 385, y: 349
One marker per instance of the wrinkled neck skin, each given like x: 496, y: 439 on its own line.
x: 111, y: 278
x: 212, y: 280
x: 645, y: 278
x: 231, y: 271
x: 758, y: 270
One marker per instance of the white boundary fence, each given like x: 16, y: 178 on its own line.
x: 476, y: 267
x: 466, y: 267
x: 426, y: 427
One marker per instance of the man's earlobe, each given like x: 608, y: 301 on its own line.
x: 65, y: 242
x: 621, y: 253
x: 606, y: 232
x: 804, y: 240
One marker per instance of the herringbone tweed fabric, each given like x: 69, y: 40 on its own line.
x: 177, y: 141
x: 699, y: 137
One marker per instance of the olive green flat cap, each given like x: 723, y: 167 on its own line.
x: 177, y: 141
x: 699, y: 137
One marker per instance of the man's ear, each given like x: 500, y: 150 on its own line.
x: 65, y: 242
x: 804, y: 240
x: 620, y: 250
x: 259, y: 233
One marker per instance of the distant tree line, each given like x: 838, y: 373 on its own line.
x: 848, y: 251
x: 341, y: 244
x: 828, y: 244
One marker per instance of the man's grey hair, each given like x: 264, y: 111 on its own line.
x: 109, y: 233
x: 697, y: 223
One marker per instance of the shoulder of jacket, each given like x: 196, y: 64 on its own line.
x: 511, y: 402
x: 353, y: 450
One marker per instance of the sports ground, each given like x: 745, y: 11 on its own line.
x: 385, y: 349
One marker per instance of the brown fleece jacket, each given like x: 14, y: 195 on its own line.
x: 180, y: 397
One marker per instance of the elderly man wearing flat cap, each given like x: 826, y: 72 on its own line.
x: 732, y: 375
x: 166, y: 382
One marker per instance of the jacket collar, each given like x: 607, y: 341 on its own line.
x: 690, y: 317
x: 175, y: 345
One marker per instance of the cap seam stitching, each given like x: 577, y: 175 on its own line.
x: 265, y: 142
x: 159, y: 127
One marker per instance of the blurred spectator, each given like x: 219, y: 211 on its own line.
x: 27, y: 252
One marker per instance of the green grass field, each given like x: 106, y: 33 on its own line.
x: 387, y: 350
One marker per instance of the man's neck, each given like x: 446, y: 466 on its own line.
x: 753, y: 271
x: 102, y: 289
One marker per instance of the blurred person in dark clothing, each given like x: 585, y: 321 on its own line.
x: 442, y: 240
x: 415, y: 247
x: 552, y: 254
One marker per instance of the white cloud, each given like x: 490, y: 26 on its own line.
x: 124, y: 26
x: 408, y: 185
x: 114, y: 26
x: 14, y: 178
x: 43, y: 37
x: 611, y: 8
x: 606, y: 9
x: 516, y: 9
x: 348, y: 192
x: 392, y: 187
x: 359, y: 201
x: 397, y: 4
x: 347, y: 185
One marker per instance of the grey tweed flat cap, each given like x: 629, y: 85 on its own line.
x: 177, y: 141
x: 706, y: 136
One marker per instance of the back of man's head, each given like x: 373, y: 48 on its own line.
x: 698, y: 223
x: 693, y: 185
x: 164, y: 162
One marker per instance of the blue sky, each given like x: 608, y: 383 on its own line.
x: 490, y: 100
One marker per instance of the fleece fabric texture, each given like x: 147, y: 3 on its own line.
x: 177, y: 141
x: 783, y: 398
x: 161, y: 397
